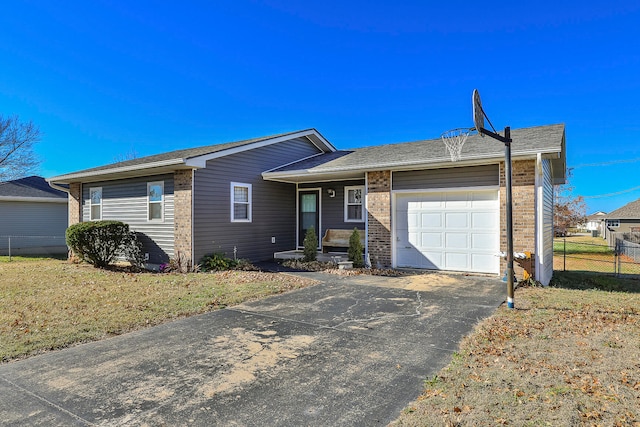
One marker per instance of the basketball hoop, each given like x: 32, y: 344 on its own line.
x: 454, y: 139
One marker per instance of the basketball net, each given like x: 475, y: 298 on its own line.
x: 454, y: 140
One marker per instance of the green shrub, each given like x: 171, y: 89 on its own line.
x: 216, y: 262
x: 310, y: 244
x: 355, y: 249
x: 101, y: 242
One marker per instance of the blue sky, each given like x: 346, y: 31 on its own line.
x: 104, y: 79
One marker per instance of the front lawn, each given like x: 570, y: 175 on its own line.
x: 49, y: 304
x: 563, y: 357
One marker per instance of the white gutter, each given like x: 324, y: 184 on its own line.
x: 57, y: 187
x: 32, y: 199
x: 111, y: 171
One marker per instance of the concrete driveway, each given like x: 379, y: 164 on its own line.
x: 349, y: 351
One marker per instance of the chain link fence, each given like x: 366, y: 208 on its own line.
x: 32, y: 245
x: 614, y: 256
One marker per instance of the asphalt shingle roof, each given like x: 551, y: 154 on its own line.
x: 31, y: 186
x: 525, y: 141
x: 628, y: 211
x: 183, y: 153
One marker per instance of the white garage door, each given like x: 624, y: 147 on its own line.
x: 454, y: 230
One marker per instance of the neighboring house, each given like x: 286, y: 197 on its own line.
x: 595, y: 222
x: 258, y: 197
x: 624, y: 220
x: 33, y: 217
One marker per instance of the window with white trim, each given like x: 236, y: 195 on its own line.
x: 353, y: 203
x: 240, y: 202
x: 155, y: 201
x: 95, y: 203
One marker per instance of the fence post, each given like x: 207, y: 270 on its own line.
x: 9, y: 248
x: 564, y: 255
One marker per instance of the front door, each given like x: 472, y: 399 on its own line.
x: 308, y: 215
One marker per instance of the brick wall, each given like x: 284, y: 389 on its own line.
x: 379, y: 217
x: 75, y: 203
x: 523, y: 212
x: 182, y: 230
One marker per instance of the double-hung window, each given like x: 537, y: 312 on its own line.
x: 95, y: 203
x: 240, y: 202
x: 155, y: 201
x: 353, y: 204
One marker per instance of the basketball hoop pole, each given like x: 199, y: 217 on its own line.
x: 506, y: 139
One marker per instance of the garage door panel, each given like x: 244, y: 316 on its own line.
x: 430, y: 240
x: 456, y: 220
x: 413, y: 219
x: 483, y: 242
x: 414, y: 239
x: 484, y: 199
x: 456, y: 240
x: 430, y: 260
x: 431, y: 201
x: 457, y: 261
x: 456, y: 230
x: 485, y: 262
x: 484, y: 220
x: 431, y: 220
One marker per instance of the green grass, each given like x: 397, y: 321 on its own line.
x: 48, y: 304
x: 584, y: 281
x: 581, y: 246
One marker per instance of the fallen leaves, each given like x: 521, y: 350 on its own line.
x: 583, y: 372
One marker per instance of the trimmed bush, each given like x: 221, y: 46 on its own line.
x: 355, y: 249
x: 310, y: 244
x: 101, y: 242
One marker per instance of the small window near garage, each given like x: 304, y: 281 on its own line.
x: 613, y: 223
x: 240, y: 202
x: 155, y: 201
x: 95, y: 203
x: 353, y: 202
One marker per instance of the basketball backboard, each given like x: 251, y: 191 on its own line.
x: 478, y: 113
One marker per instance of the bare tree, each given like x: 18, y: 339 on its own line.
x: 17, y: 158
x: 569, y: 210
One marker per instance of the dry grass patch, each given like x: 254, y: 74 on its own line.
x: 50, y: 304
x: 563, y: 357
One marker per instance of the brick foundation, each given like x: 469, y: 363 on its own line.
x: 183, y: 227
x: 379, y: 217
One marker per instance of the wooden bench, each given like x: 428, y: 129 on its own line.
x: 335, y: 238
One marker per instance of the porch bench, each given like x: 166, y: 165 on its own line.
x: 337, y: 238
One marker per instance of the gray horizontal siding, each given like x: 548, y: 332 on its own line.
x: 33, y: 225
x: 273, y: 203
x: 126, y: 201
x: 473, y: 176
x: 332, y: 213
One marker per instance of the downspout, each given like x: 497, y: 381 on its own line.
x: 193, y: 198
x: 367, y: 259
x: 539, y: 219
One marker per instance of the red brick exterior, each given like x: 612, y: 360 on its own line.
x: 75, y: 203
x: 379, y: 217
x: 524, y: 211
x: 183, y: 227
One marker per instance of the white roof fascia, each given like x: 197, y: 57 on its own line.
x: 112, y: 171
x: 32, y: 199
x: 201, y: 161
x: 397, y: 166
